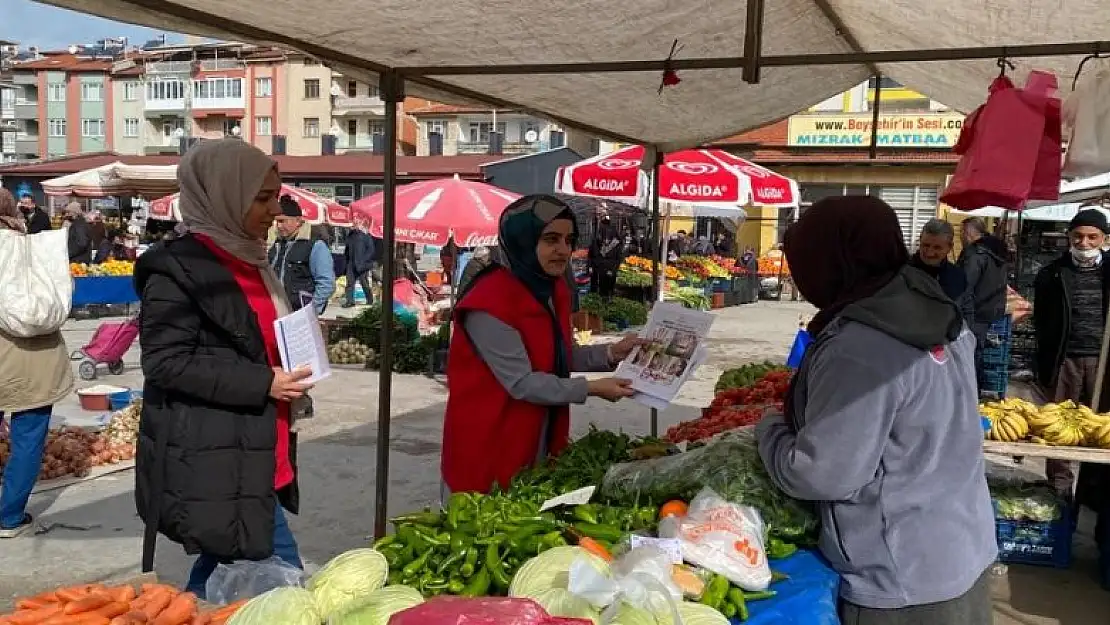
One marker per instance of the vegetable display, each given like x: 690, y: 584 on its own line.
x: 125, y: 604
x: 688, y: 296
x: 730, y: 465
x: 742, y: 395
x: 1065, y: 424
x: 701, y: 266
x: 1024, y: 501
x: 746, y: 375
x: 73, y: 451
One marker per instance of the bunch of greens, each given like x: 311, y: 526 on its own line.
x: 631, y: 312
x: 731, y: 466
x: 583, y: 463
x: 1016, y: 500
x: 411, y: 352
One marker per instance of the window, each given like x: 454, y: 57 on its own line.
x: 312, y: 89
x: 131, y: 127
x: 56, y: 127
x: 263, y: 126
x: 165, y: 90
x: 309, y: 61
x: 373, y: 91
x: 130, y: 91
x: 480, y: 131
x: 92, y: 127
x: 92, y: 92
x: 375, y: 127
x: 56, y: 92
x: 312, y: 127
x: 264, y: 87
x: 231, y: 128
x: 218, y: 88
x: 437, y: 125
x: 352, y: 89
x: 914, y: 205
x: 170, y: 128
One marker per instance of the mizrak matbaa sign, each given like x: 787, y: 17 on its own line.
x: 909, y: 130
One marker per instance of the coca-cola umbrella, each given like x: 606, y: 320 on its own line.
x: 315, y: 209
x: 431, y: 212
x: 701, y: 177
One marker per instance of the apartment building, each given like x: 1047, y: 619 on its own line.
x: 309, y: 105
x: 449, y: 130
x: 8, y: 125
x: 358, y: 115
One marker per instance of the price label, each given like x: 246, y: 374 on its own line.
x: 670, y: 546
x: 573, y: 498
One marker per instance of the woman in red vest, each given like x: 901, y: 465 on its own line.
x: 512, y: 352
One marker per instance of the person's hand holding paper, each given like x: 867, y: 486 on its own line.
x: 288, y: 386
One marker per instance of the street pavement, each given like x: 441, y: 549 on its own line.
x: 92, y: 531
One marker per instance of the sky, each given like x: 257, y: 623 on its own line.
x: 32, y: 24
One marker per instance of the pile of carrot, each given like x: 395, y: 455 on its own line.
x: 97, y: 604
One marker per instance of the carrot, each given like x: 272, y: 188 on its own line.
x: 595, y: 548
x: 31, y: 603
x: 226, y: 611
x: 152, y: 587
x: 113, y: 609
x: 88, y: 618
x: 159, y: 601
x: 87, y: 604
x: 72, y: 593
x: 34, y: 617
x: 131, y: 618
x: 180, y: 611
x: 123, y: 594
x: 203, y: 618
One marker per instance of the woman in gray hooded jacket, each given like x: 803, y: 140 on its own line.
x: 882, y: 428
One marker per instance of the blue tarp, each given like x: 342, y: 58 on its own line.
x: 809, y: 597
x: 106, y: 290
x: 798, y: 350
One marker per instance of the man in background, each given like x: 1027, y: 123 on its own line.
x: 302, y: 263
x: 79, y: 238
x: 360, y: 260
x: 983, y: 260
x: 1071, y: 296
x: 37, y: 219
x: 606, y: 253
x: 933, y: 247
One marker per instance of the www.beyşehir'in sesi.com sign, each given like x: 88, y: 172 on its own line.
x: 935, y: 130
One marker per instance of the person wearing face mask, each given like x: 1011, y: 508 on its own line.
x: 512, y: 352
x: 37, y: 219
x: 1071, y: 300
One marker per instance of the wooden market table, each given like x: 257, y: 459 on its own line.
x: 1075, y: 454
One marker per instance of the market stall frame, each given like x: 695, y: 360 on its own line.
x: 392, y: 84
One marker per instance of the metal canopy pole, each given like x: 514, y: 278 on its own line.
x: 658, y: 248
x: 782, y: 60
x: 753, y: 41
x: 392, y: 87
x: 873, y: 151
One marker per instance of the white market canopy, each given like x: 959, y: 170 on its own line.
x: 412, y: 36
x: 115, y: 179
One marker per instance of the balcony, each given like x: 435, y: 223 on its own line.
x: 8, y: 125
x: 27, y: 144
x: 26, y: 110
x: 222, y: 65
x: 209, y: 104
x: 169, y: 67
x: 158, y: 107
x: 360, y: 105
x: 482, y: 147
x: 24, y: 78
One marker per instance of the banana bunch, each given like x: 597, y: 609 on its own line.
x: 1009, y: 427
x: 1064, y: 423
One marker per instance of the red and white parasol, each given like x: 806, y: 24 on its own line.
x: 699, y: 177
x: 316, y: 210
x: 432, y: 211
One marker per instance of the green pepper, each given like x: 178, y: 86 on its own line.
x: 551, y: 540
x: 760, y: 595
x: 599, y: 532
x: 459, y: 541
x: 405, y: 534
x: 430, y: 537
x: 728, y: 609
x: 385, y: 541
x: 455, y: 586
x: 496, y: 569
x: 471, y: 560
x: 451, y: 560
x: 715, y: 592
x: 478, y: 585
x: 778, y: 549
x: 496, y: 539
x: 736, y: 596
x: 418, y: 518
x: 414, y: 567
x: 394, y: 578
x: 586, y: 514
x: 778, y: 577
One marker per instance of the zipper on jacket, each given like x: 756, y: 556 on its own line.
x: 1061, y: 351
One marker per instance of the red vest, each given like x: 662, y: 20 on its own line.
x: 488, y: 437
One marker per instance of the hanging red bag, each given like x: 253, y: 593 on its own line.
x: 999, y: 147
x: 1046, y: 175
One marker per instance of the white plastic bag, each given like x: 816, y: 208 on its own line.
x: 246, y: 579
x: 1086, y: 119
x: 36, y: 290
x: 723, y: 537
x: 640, y: 578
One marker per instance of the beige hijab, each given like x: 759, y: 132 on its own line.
x: 10, y: 217
x: 219, y: 181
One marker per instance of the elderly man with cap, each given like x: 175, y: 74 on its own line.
x: 303, y: 263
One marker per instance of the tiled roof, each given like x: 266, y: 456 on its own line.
x: 334, y: 166
x: 773, y: 134
x: 65, y: 63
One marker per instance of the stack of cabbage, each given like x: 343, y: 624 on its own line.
x: 349, y: 590
x: 545, y: 577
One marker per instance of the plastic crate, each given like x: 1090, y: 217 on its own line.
x: 721, y: 285
x: 1036, y: 543
x: 995, y: 380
